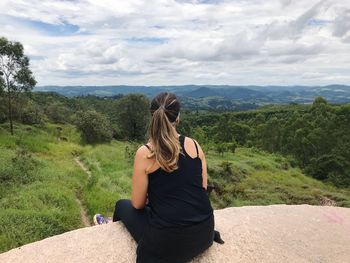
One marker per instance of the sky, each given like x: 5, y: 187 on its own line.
x: 168, y: 42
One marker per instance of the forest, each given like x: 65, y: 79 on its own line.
x: 314, y: 137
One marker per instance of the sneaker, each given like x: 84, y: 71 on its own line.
x: 99, y: 219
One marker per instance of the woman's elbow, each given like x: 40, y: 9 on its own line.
x: 137, y: 205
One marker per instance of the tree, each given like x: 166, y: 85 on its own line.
x: 133, y: 116
x: 221, y: 148
x: 3, y: 108
x: 224, y: 129
x: 15, y: 75
x: 58, y: 112
x: 94, y: 127
x: 232, y: 146
x: 240, y: 132
x: 199, y: 134
x: 31, y: 114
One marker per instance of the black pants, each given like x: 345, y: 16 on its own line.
x: 171, y: 245
x: 135, y: 220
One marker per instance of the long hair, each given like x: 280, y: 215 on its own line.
x: 165, y: 108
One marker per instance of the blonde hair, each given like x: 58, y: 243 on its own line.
x: 165, y: 108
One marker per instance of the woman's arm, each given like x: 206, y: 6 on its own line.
x: 205, y: 172
x: 139, y: 179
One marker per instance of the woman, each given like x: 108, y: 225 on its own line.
x: 169, y: 215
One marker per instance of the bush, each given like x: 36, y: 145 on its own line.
x: 221, y: 148
x: 22, y: 168
x: 58, y: 113
x: 32, y: 114
x: 330, y: 167
x: 94, y: 127
x: 232, y: 146
x: 129, y: 152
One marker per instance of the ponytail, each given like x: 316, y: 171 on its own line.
x: 162, y: 133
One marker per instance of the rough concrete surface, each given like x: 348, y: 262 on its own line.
x: 275, y: 233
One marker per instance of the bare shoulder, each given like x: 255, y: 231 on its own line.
x: 190, y: 142
x: 201, y: 152
x: 142, y: 151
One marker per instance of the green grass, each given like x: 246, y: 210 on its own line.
x: 265, y: 179
x: 47, y: 204
x: 111, y: 176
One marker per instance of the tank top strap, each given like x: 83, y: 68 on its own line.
x: 182, y: 143
x: 196, y: 147
x: 147, y: 147
x: 182, y: 139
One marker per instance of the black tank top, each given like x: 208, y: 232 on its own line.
x: 178, y: 198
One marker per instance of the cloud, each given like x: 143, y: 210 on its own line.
x: 341, y: 25
x: 163, y: 42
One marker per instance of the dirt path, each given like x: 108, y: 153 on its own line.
x: 83, y: 214
x: 82, y: 166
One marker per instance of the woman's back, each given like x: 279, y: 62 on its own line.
x: 177, y: 223
x: 178, y: 198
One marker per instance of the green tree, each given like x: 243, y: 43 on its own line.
x: 3, y: 108
x: 199, y: 134
x: 94, y: 127
x: 221, y: 148
x: 224, y: 129
x: 31, y: 113
x: 232, y: 146
x: 240, y: 132
x: 133, y: 116
x: 58, y: 113
x: 15, y: 74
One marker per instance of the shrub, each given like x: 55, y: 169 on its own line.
x: 22, y: 168
x: 221, y: 148
x: 58, y: 113
x: 94, y: 127
x: 231, y: 146
x: 31, y: 114
x: 129, y: 152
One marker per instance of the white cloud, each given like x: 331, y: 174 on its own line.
x: 165, y: 42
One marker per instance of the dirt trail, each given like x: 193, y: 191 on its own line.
x: 82, y: 166
x: 83, y: 214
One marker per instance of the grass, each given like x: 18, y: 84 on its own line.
x: 46, y: 204
x: 260, y: 178
x: 111, y: 176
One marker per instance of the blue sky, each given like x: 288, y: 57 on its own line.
x: 160, y: 42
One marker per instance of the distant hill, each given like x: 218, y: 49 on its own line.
x: 202, y: 92
x: 218, y: 97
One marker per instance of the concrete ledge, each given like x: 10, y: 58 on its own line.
x: 275, y: 233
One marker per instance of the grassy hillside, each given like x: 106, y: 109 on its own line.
x: 253, y: 177
x: 39, y: 187
x: 42, y: 187
x: 247, y: 177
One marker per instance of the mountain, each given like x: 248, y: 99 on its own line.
x: 202, y: 92
x: 218, y: 97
